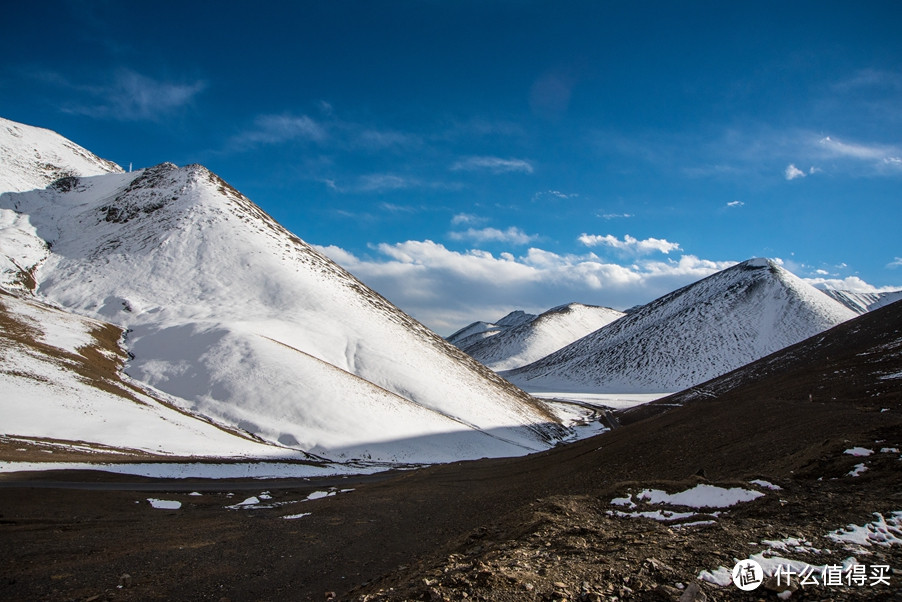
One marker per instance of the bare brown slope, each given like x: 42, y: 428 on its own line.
x: 534, y: 528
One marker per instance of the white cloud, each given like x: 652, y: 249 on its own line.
x: 129, y: 96
x: 630, y: 244
x: 495, y: 165
x: 554, y: 194
x: 276, y: 129
x: 512, y: 235
x: 855, y: 151
x: 880, y: 155
x: 467, y: 218
x: 615, y: 215
x: 735, y: 204
x: 448, y: 289
x: 380, y: 139
x: 849, y: 283
x: 377, y: 182
x: 792, y: 172
x: 895, y: 263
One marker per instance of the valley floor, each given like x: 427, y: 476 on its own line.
x: 552, y: 526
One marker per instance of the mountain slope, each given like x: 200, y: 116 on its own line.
x: 863, y: 302
x: 35, y: 157
x: 686, y: 337
x: 544, y: 334
x: 60, y: 380
x: 240, y: 320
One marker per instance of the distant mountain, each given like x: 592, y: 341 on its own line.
x: 542, y: 335
x: 477, y: 331
x: 857, y: 362
x: 863, y: 302
x: 691, y: 335
x: 236, y: 319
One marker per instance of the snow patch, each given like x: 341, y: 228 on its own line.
x: 164, y: 504
x: 701, y: 496
x: 857, y: 470
x: 766, y: 485
x: 880, y: 532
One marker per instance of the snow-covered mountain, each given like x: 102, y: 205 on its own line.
x: 690, y: 335
x: 241, y: 321
x: 477, y: 331
x: 533, y: 339
x: 33, y: 157
x: 862, y: 303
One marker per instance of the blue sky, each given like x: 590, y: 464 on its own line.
x: 469, y: 158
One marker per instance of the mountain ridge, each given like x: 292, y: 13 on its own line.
x: 692, y: 334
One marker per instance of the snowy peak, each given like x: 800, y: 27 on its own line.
x: 35, y: 157
x: 540, y: 336
x: 862, y: 303
x: 690, y: 335
x: 472, y: 334
x: 235, y: 318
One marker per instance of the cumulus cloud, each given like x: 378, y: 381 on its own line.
x: 849, y: 283
x: 448, y: 289
x: 735, y: 204
x: 630, y: 244
x: 511, y: 235
x: 792, y: 172
x: 495, y: 165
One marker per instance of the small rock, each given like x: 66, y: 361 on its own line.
x: 125, y: 581
x: 785, y: 585
x: 560, y: 585
x: 693, y: 593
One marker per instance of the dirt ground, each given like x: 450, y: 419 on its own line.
x: 541, y: 527
x: 534, y: 528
